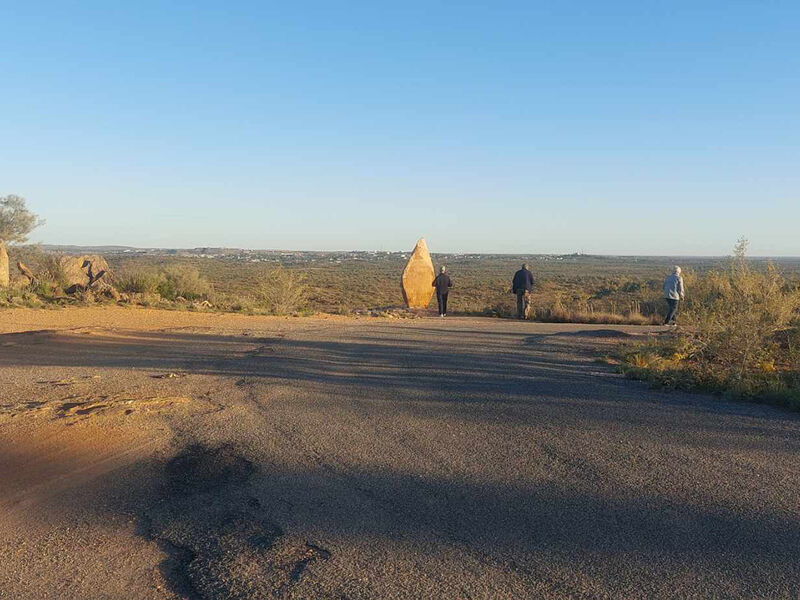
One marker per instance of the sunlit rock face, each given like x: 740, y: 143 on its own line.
x: 418, y: 277
x: 4, y: 273
x: 75, y: 269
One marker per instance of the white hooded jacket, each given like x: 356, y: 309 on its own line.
x: 674, y: 288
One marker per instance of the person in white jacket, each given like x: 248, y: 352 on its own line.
x: 674, y: 292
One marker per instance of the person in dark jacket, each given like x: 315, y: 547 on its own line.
x: 522, y: 287
x: 442, y: 283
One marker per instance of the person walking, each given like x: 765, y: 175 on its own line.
x: 522, y: 285
x: 674, y: 292
x: 442, y: 283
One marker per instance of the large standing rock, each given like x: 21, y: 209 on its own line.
x: 418, y: 277
x: 4, y: 273
x: 76, y: 269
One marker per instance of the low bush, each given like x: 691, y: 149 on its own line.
x: 52, y: 270
x: 281, y: 291
x: 47, y: 289
x: 140, y: 281
x: 183, y: 282
x: 46, y: 266
x: 171, y: 283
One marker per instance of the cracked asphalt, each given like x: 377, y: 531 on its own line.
x: 149, y: 454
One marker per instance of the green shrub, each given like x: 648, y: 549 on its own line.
x: 141, y: 281
x: 52, y: 270
x: 281, y: 291
x: 47, y: 267
x: 175, y: 281
x: 47, y: 289
x: 183, y: 282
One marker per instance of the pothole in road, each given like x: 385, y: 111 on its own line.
x: 219, y: 539
x: 200, y: 468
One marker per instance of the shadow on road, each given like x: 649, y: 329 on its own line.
x: 218, y: 513
x: 235, y: 522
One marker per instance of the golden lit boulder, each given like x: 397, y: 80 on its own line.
x: 83, y: 270
x: 4, y: 272
x: 418, y: 277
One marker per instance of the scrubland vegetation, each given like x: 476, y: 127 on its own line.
x: 170, y: 284
x: 572, y: 289
x: 739, y: 327
x: 739, y: 334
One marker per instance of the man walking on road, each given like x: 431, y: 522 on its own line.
x: 442, y: 283
x: 522, y: 287
x: 674, y: 292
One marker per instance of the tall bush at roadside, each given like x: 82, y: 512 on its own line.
x: 740, y: 333
x: 281, y: 291
x: 737, y: 317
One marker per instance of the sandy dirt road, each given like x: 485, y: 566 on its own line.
x: 151, y: 454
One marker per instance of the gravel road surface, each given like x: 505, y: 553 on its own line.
x: 149, y: 454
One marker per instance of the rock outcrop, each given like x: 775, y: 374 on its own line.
x: 4, y: 273
x: 26, y: 273
x: 418, y: 277
x: 76, y: 269
x: 107, y: 291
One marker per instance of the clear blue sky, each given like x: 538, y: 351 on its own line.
x: 611, y: 127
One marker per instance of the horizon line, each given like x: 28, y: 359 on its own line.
x: 580, y: 253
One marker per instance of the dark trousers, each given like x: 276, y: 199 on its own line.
x: 441, y: 298
x: 673, y: 310
x: 523, y: 304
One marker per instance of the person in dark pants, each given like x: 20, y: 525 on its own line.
x: 522, y: 286
x: 674, y: 292
x: 442, y: 283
